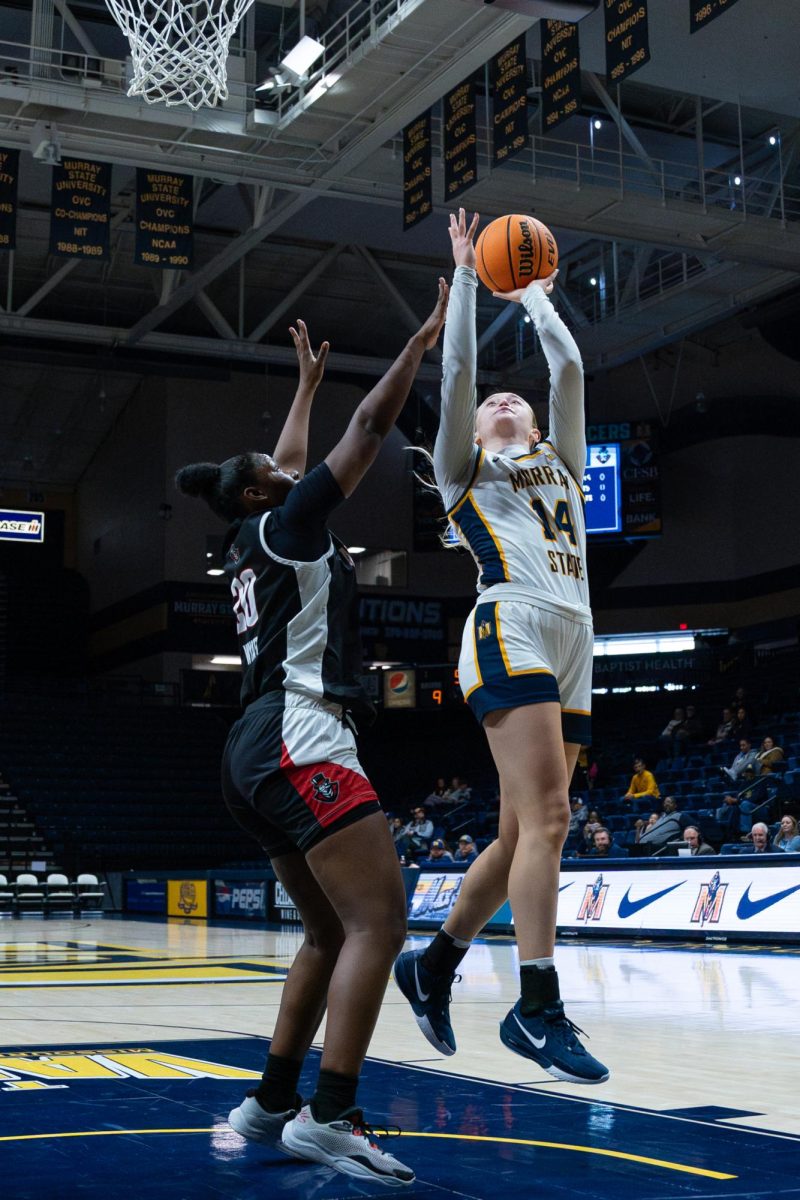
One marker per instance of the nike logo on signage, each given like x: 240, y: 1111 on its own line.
x: 420, y: 992
x: 539, y: 1043
x: 628, y: 907
x: 751, y: 908
x: 564, y: 886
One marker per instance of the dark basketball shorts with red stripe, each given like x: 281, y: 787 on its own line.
x: 291, y: 775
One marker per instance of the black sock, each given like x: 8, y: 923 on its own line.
x: 334, y: 1095
x: 539, y: 989
x: 277, y: 1091
x: 443, y: 955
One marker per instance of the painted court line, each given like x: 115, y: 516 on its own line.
x: 456, y: 1137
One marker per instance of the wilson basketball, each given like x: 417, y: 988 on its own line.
x: 513, y: 251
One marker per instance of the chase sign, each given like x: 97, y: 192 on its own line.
x: 18, y: 526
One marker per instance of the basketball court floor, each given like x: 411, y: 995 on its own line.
x: 124, y: 1043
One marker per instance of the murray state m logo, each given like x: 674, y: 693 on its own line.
x: 711, y: 897
x: 594, y: 898
x: 324, y: 788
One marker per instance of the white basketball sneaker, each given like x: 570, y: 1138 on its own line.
x: 253, y: 1122
x: 344, y: 1144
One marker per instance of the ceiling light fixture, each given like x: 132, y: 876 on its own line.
x: 302, y: 56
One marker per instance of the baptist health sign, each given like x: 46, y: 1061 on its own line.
x: 18, y: 526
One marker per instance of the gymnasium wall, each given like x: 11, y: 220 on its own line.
x: 120, y: 534
x: 728, y: 555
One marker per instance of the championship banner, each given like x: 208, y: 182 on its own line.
x: 9, y: 179
x: 80, y: 209
x: 509, y: 102
x: 417, y: 170
x: 561, y: 72
x: 703, y: 11
x: 627, y: 41
x: 460, y: 133
x: 187, y: 897
x: 164, y: 220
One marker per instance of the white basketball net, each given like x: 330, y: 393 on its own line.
x: 179, y: 47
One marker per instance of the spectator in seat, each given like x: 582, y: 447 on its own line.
x: 694, y: 838
x: 744, y: 764
x: 787, y: 838
x: 769, y: 756
x: 734, y: 813
x: 643, y: 782
x: 460, y: 791
x: 604, y: 846
x: 742, y: 725
x: 759, y: 836
x: 691, y: 730
x: 418, y: 832
x: 641, y: 826
x: 438, y: 855
x: 670, y: 731
x: 668, y: 827
x: 578, y: 815
x: 467, y: 851
x: 724, y: 729
x: 440, y: 794
x: 398, y: 832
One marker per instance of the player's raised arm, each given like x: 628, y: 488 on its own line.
x: 454, y: 449
x: 567, y: 417
x: 376, y: 414
x: 291, y: 450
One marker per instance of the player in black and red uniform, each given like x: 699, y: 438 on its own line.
x: 290, y: 771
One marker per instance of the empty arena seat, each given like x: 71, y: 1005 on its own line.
x: 29, y: 895
x: 89, y: 893
x: 6, y: 898
x: 60, y: 895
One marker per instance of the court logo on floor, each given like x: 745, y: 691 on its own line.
x: 594, y: 898
x: 58, y: 963
x: 710, y: 899
x: 43, y: 1070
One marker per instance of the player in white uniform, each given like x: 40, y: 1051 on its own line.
x: 526, y: 660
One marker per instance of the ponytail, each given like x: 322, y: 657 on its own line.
x: 220, y: 484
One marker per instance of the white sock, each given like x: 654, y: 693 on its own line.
x: 542, y: 963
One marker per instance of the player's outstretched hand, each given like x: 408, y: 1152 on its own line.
x: 312, y: 366
x: 547, y: 284
x: 433, y: 326
x: 462, y: 238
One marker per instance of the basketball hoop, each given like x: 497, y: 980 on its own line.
x: 179, y: 48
